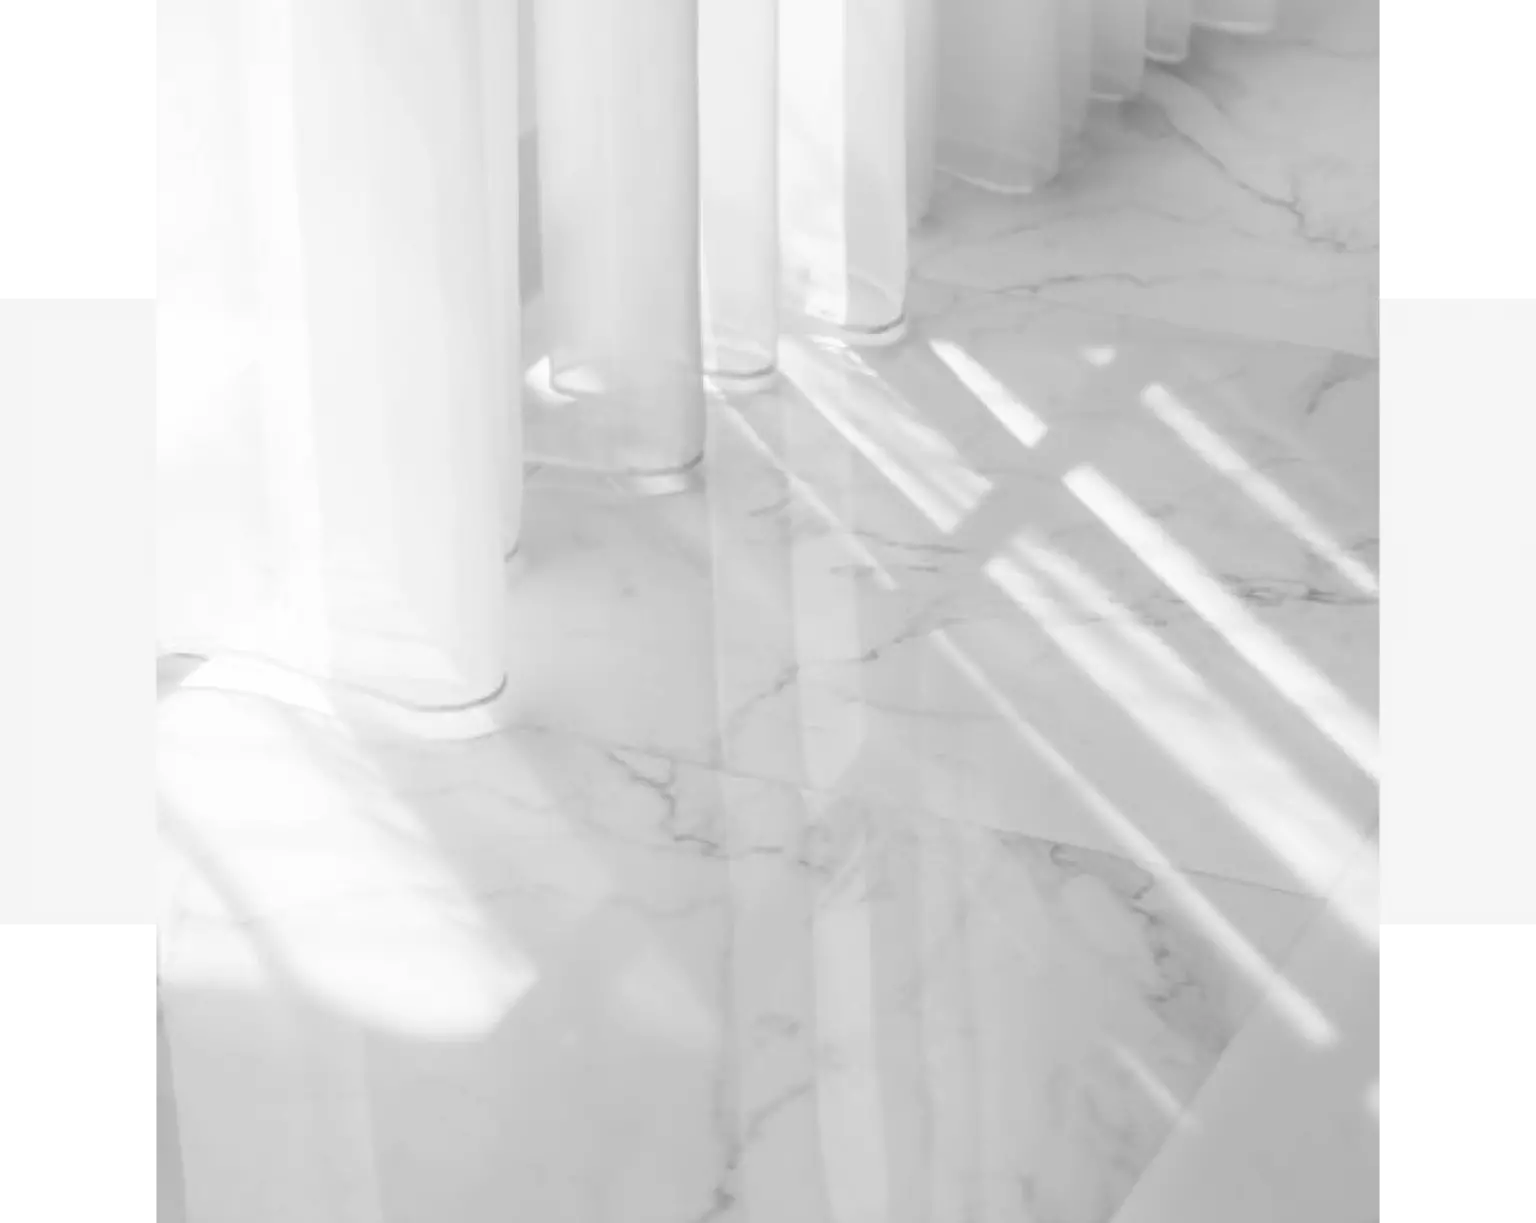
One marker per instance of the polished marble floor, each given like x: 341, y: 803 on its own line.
x: 1238, y: 194
x: 906, y: 825
x: 962, y: 807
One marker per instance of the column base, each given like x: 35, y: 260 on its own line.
x: 663, y: 483
x: 370, y: 712
x: 882, y: 336
x: 752, y: 382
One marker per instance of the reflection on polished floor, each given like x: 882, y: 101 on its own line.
x: 912, y: 823
x: 962, y: 808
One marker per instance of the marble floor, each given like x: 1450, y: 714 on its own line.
x: 917, y: 822
x: 963, y: 807
x: 1237, y: 194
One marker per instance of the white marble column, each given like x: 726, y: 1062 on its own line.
x: 843, y: 183
x: 1169, y: 24
x: 1119, y: 47
x: 1001, y: 102
x: 337, y: 473
x: 1074, y: 37
x: 922, y: 107
x: 618, y: 106
x: 503, y: 86
x: 739, y: 173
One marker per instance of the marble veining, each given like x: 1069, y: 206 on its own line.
x: 903, y: 823
x: 1237, y: 194
x: 537, y: 977
x: 1031, y: 566
x: 1283, y: 1130
x: 944, y: 814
